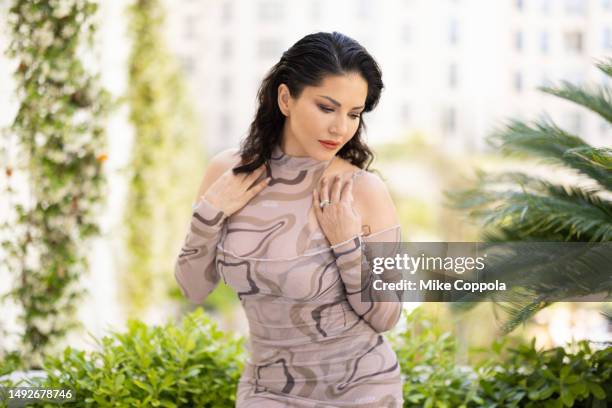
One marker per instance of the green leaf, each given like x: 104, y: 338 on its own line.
x: 596, y: 390
x: 142, y: 385
x: 567, y: 397
x: 564, y: 372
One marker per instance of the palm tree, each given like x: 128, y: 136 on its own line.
x: 515, y: 206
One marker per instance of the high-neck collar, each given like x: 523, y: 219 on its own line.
x: 282, y: 160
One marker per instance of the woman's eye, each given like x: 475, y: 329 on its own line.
x: 327, y: 110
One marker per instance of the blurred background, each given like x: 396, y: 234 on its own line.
x: 454, y: 72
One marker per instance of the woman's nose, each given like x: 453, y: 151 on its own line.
x: 339, y: 126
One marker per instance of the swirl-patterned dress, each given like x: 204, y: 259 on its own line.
x: 313, y: 341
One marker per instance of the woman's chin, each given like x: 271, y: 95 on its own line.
x: 325, y: 156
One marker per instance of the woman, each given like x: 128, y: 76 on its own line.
x: 284, y: 221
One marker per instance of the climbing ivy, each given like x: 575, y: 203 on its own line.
x: 166, y: 162
x: 56, y: 145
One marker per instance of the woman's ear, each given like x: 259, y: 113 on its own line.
x: 283, y: 99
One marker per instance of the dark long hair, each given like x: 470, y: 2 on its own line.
x: 306, y: 63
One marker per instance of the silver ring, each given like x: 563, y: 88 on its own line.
x: 324, y: 203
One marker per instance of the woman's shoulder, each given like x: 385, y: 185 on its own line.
x: 217, y: 165
x: 226, y: 158
x: 344, y: 168
x: 370, y: 193
x: 365, y: 183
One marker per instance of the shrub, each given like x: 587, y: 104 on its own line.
x: 548, y: 378
x: 518, y: 376
x: 427, y: 357
x: 192, y: 364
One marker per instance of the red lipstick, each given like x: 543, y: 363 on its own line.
x: 328, y: 144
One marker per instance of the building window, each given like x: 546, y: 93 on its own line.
x: 606, y: 4
x: 518, y: 82
x: 188, y: 65
x: 364, y: 9
x: 225, y: 86
x: 270, y: 10
x: 404, y: 113
x: 407, y: 73
x: 545, y: 7
x: 607, y: 39
x: 190, y: 27
x: 226, y: 48
x: 449, y: 120
x: 544, y: 42
x: 227, y: 11
x: 573, y: 42
x: 518, y: 41
x: 453, y: 32
x: 452, y: 76
x: 406, y: 34
x: 519, y: 5
x: 575, y: 7
x: 225, y: 125
x: 269, y: 48
x: 315, y: 11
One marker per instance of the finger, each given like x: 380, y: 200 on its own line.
x: 347, y: 191
x: 316, y: 203
x: 256, y: 173
x: 335, y: 189
x: 257, y: 188
x: 323, y: 193
x: 251, y: 179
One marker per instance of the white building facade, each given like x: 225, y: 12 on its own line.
x: 453, y: 69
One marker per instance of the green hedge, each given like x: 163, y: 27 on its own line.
x: 511, y: 376
x: 193, y: 364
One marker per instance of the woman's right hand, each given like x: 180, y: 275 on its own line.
x: 230, y: 192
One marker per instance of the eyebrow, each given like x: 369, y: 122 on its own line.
x: 335, y: 102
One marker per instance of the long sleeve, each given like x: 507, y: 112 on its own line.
x: 381, y: 309
x: 195, y: 269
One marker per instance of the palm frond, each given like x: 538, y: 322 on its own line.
x: 542, y: 273
x: 549, y: 215
x: 522, y: 182
x: 545, y: 140
x: 605, y: 66
x: 516, y: 207
x: 598, y: 100
x: 519, y: 313
x: 526, y: 207
x: 504, y: 234
x: 596, y: 156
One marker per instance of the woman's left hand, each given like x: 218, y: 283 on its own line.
x: 338, y: 220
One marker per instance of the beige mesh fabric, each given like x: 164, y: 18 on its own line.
x: 314, y: 341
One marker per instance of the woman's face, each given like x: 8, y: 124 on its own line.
x: 328, y: 112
